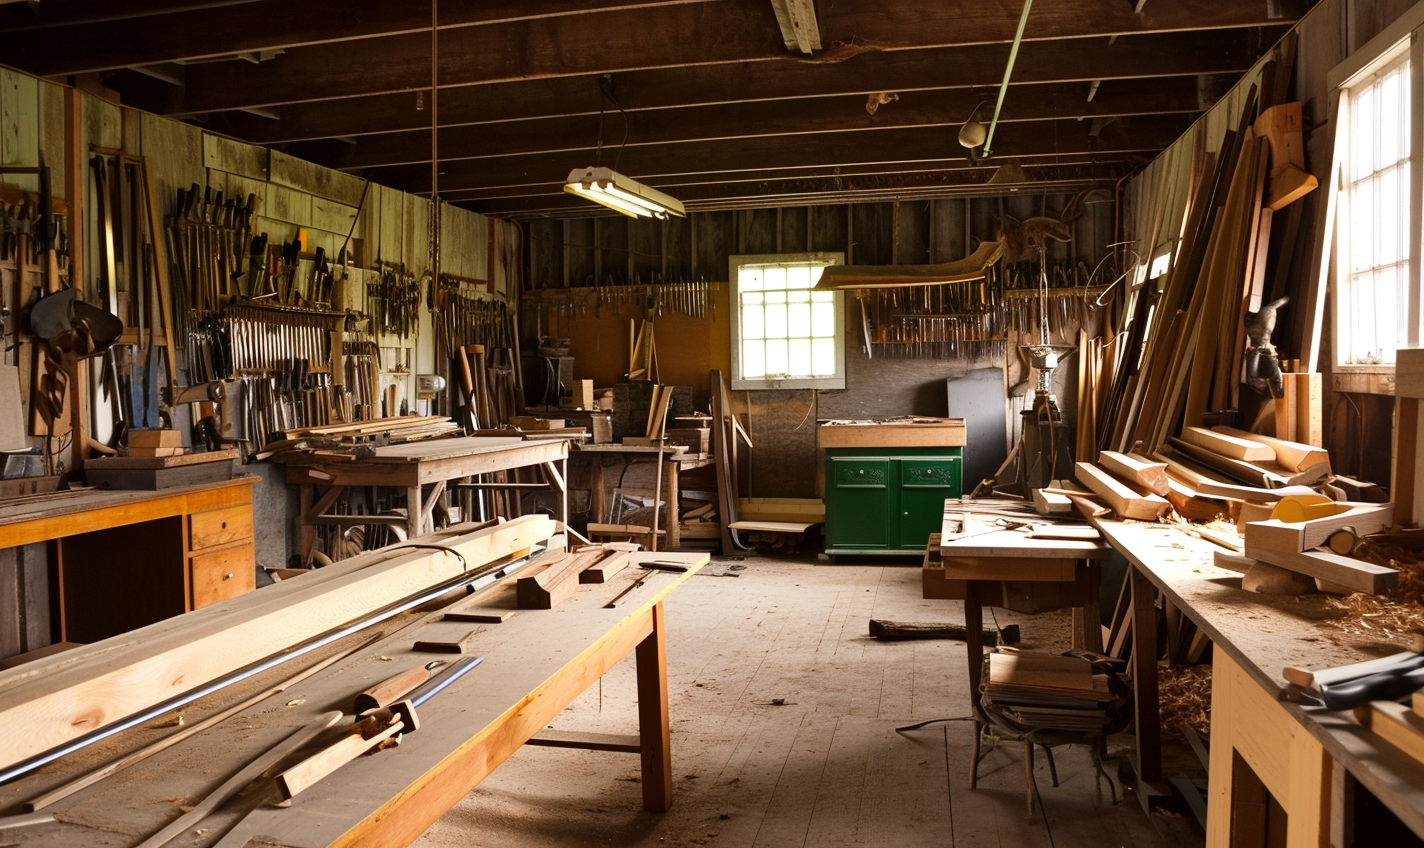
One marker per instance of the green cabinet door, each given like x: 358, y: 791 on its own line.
x: 925, y: 483
x: 859, y: 503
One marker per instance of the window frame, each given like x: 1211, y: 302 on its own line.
x: 1399, y: 41
x: 739, y: 383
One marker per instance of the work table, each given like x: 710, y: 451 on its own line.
x: 1305, y: 756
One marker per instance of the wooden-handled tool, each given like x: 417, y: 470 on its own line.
x: 391, y: 689
x: 376, y: 731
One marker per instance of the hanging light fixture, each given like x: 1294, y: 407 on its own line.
x: 621, y: 193
x: 612, y: 189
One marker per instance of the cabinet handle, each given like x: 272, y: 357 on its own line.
x: 224, y: 525
x: 227, y: 576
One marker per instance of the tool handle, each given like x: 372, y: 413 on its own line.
x: 390, y: 690
x: 329, y: 759
x: 1386, y: 686
x: 435, y: 685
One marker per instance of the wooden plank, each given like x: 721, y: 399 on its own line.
x: 1299, y: 536
x: 313, y: 179
x: 1292, y: 455
x: 1228, y: 445
x: 235, y: 157
x: 1124, y: 501
x: 1136, y: 469
x: 1396, y: 724
x: 19, y: 127
x: 587, y: 741
x: 1250, y: 494
x: 48, y: 703
x: 944, y: 432
x: 1357, y: 575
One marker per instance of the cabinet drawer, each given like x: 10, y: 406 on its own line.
x: 853, y: 473
x: 929, y: 473
x: 219, y: 526
x: 222, y: 574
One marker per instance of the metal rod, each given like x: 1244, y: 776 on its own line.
x: 1004, y: 86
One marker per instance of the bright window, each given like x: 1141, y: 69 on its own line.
x: 1374, y: 273
x: 786, y: 334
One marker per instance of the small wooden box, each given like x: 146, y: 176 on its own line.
x: 155, y: 439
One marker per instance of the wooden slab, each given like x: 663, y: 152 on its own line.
x: 1136, y: 469
x: 127, y: 462
x: 1357, y: 575
x: 1125, y: 501
x: 1292, y: 455
x: 1227, y: 445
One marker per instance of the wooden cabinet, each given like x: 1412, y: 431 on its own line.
x: 125, y: 559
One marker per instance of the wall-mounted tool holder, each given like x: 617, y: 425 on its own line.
x: 557, y: 307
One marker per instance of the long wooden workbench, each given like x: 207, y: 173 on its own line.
x: 412, y: 467
x: 534, y: 664
x: 1309, y: 759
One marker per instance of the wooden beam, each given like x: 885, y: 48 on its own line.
x: 1228, y: 445
x: 46, y: 704
x: 206, y: 30
x: 1120, y: 65
x: 794, y: 116
x: 1292, y: 455
x: 1355, y: 574
x: 557, y: 581
x: 913, y: 144
x: 1124, y: 501
x: 1137, y: 470
x: 635, y: 39
x: 1299, y: 536
x: 797, y: 19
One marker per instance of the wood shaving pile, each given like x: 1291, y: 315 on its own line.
x: 1388, y: 617
x: 1185, y: 695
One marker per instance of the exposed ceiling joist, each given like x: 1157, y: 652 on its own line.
x: 797, y: 19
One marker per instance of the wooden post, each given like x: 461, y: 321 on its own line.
x: 653, y: 725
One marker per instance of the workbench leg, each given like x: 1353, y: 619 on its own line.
x: 306, y: 530
x: 974, y: 639
x: 1144, y: 677
x: 1092, y: 606
x: 670, y: 522
x: 653, y: 725
x: 413, y: 511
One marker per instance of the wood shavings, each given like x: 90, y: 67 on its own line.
x: 176, y: 721
x: 296, y: 702
x: 1185, y: 697
x: 1391, y: 617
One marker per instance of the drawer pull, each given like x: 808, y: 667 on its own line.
x: 227, y: 576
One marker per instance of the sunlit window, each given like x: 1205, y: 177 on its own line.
x: 785, y: 332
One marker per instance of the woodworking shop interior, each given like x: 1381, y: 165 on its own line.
x: 740, y: 423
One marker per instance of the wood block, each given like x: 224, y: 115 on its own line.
x: 556, y: 582
x: 605, y: 567
x: 1357, y: 575
x: 155, y: 439
x: 1231, y: 562
x: 1292, y: 455
x: 1295, y: 537
x: 478, y: 615
x: 1125, y: 501
x: 1228, y: 446
x: 446, y: 646
x: 1051, y: 503
x: 143, y: 451
x: 1266, y: 579
x: 1137, y: 470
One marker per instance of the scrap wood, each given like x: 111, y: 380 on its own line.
x: 893, y: 631
x: 558, y: 579
x: 1358, y: 575
x: 1292, y: 455
x: 1228, y: 445
x: 1124, y: 500
x: 1136, y: 470
x: 1185, y: 699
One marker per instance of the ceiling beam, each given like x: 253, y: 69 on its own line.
x: 209, y: 30
x: 640, y: 39
x: 60, y: 13
x: 654, y: 164
x: 797, y: 19
x: 944, y: 107
x: 919, y: 185
x: 1178, y: 54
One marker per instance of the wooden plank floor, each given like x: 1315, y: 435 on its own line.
x: 784, y: 714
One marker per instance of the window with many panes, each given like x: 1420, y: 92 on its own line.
x: 1374, y: 274
x: 786, y: 333
x: 1375, y: 288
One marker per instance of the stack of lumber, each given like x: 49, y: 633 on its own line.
x: 700, y: 524
x: 1047, y: 690
x: 352, y: 441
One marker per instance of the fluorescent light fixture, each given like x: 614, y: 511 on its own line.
x: 624, y: 194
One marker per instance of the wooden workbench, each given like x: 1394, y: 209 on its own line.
x: 125, y: 559
x: 988, y: 561
x: 534, y: 664
x: 412, y: 467
x: 676, y: 461
x: 1307, y: 758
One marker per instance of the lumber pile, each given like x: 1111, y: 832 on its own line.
x: 1047, y: 690
x: 356, y: 440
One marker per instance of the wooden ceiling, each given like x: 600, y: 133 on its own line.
x: 720, y: 105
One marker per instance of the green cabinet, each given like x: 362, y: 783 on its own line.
x: 887, y: 500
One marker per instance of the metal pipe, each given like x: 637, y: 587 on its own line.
x: 473, y: 580
x: 1004, y: 86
